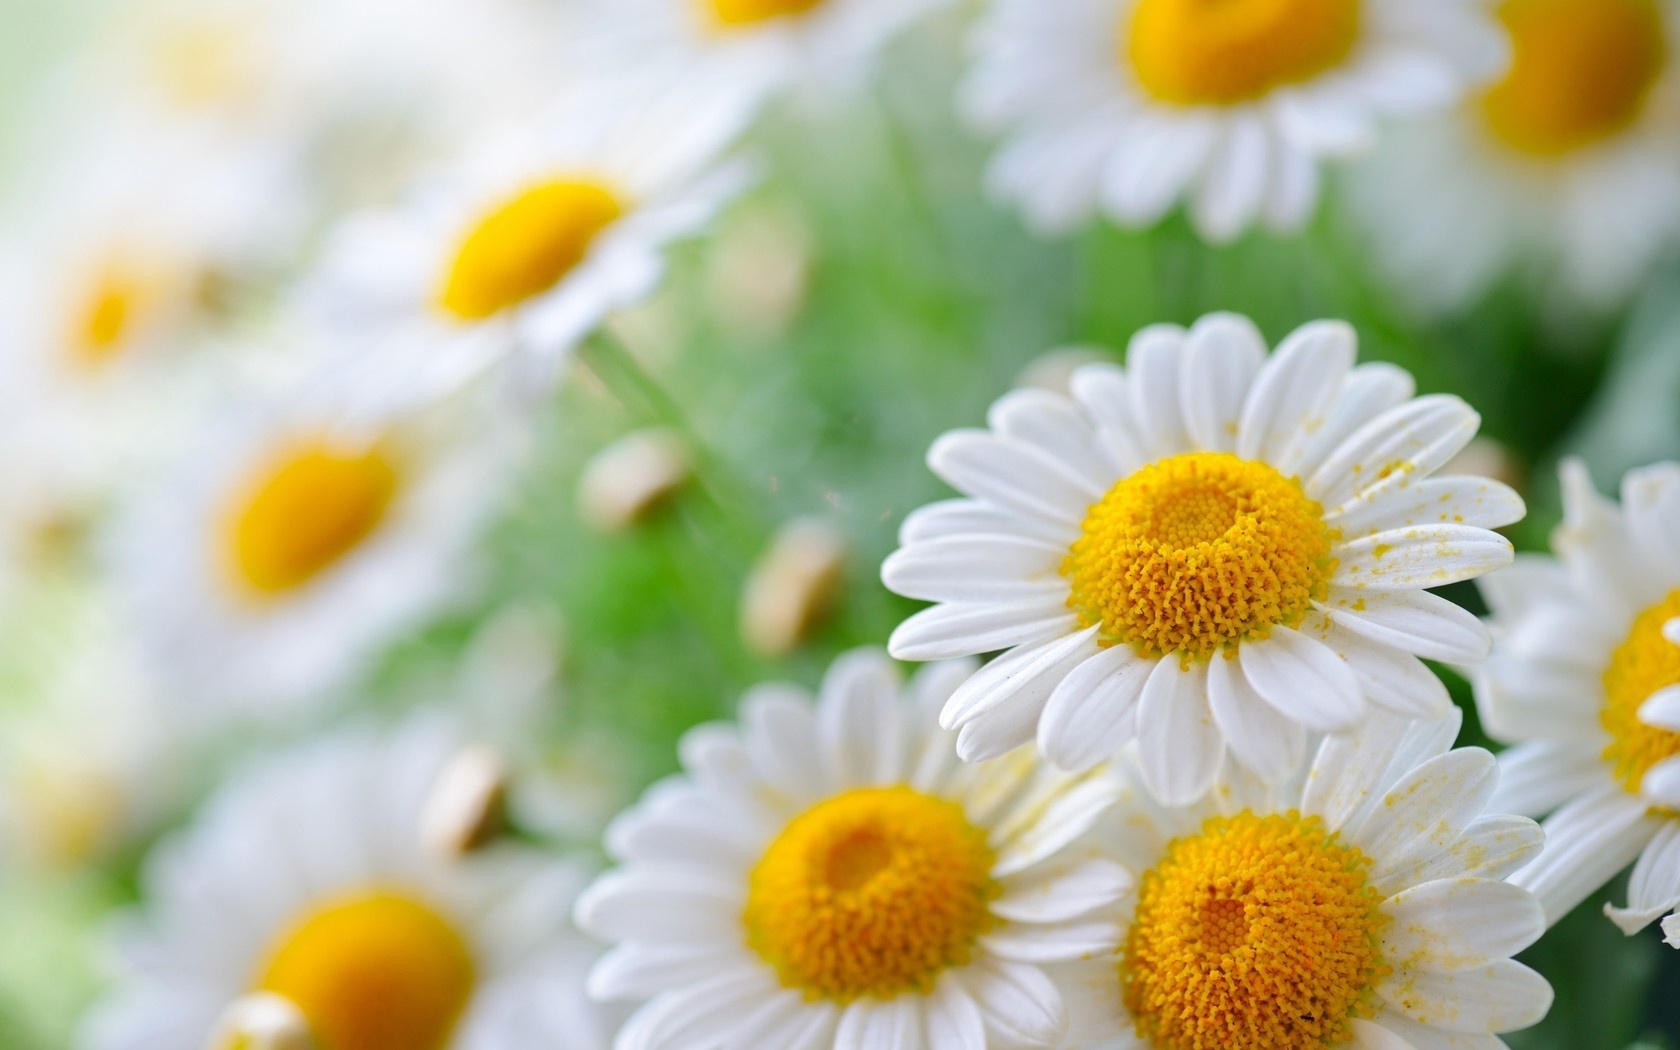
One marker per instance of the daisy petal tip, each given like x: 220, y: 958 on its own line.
x: 1671, y: 930
x: 1671, y: 630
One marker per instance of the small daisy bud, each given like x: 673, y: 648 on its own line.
x: 760, y: 271
x: 468, y: 804
x: 263, y: 1021
x: 793, y: 586
x: 1053, y: 371
x: 629, y: 478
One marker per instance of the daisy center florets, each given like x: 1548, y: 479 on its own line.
x: 526, y: 245
x: 1640, y: 666
x: 106, y: 316
x: 735, y: 13
x: 871, y: 893
x: 1580, y: 73
x: 1257, y: 931
x: 381, y: 972
x: 308, y: 508
x: 1224, y: 52
x: 1197, y: 551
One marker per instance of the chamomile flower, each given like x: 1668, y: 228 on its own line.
x: 1584, y: 680
x: 1128, y: 106
x: 306, y: 879
x: 1207, y: 549
x: 1565, y: 173
x: 1361, y: 903
x: 829, y: 876
x: 287, y: 546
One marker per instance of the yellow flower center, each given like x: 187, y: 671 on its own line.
x: 205, y: 66
x: 1258, y: 932
x: 526, y: 246
x: 309, y: 507
x: 731, y: 14
x: 380, y: 972
x: 1639, y: 667
x: 1197, y: 551
x: 106, y: 317
x: 1225, y: 52
x: 871, y: 893
x: 1581, y: 72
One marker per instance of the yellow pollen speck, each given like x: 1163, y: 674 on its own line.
x: 731, y: 14
x: 1257, y: 932
x: 1581, y: 72
x: 1639, y: 667
x: 871, y: 893
x: 307, y: 508
x: 1225, y: 52
x: 380, y: 972
x: 526, y: 246
x: 1197, y: 551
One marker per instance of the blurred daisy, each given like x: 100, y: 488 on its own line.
x: 1360, y: 904
x: 1585, y: 680
x: 306, y: 880
x: 1128, y: 106
x: 1567, y: 171
x: 829, y: 876
x: 526, y: 249
x: 1205, y: 549
x: 287, y: 547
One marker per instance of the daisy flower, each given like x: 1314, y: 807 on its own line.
x: 829, y: 876
x: 1128, y: 106
x: 305, y: 879
x: 1585, y: 681
x: 1565, y: 172
x: 1209, y: 548
x: 286, y: 547
x: 1360, y: 904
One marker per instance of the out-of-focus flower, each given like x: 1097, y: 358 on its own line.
x: 307, y: 879
x: 793, y: 586
x: 287, y: 546
x: 1205, y: 550
x: 1360, y: 904
x: 1127, y: 106
x: 828, y: 876
x: 1585, y: 681
x: 1566, y: 172
x: 632, y: 477
x: 760, y: 271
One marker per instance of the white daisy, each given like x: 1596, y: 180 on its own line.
x: 1359, y: 905
x: 1565, y: 173
x: 306, y: 879
x: 1585, y: 681
x: 546, y: 228
x: 287, y: 547
x: 829, y: 876
x: 1207, y: 548
x: 1128, y: 106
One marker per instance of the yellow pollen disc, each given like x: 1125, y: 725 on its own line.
x: 308, y: 507
x: 1581, y: 71
x: 1639, y: 667
x: 1225, y: 52
x: 203, y: 66
x: 735, y: 13
x: 1258, y: 932
x: 1197, y: 551
x: 106, y: 317
x: 526, y: 246
x: 872, y: 893
x: 374, y: 973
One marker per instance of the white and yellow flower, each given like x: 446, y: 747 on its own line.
x: 1585, y: 681
x: 1128, y: 106
x: 1206, y: 549
x: 306, y: 879
x: 1360, y: 904
x: 1565, y: 173
x: 829, y: 876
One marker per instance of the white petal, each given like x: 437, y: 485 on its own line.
x: 1153, y: 367
x: 1499, y: 997
x: 1101, y: 389
x: 1180, y: 745
x: 1019, y: 1002
x: 1222, y: 355
x: 780, y: 727
x: 1078, y: 890
x: 1414, y: 621
x: 1295, y: 392
x: 987, y: 467
x: 956, y: 629
x: 874, y: 1024
x: 1427, y: 811
x: 1392, y: 679
x: 1054, y: 426
x: 1651, y: 499
x: 1493, y: 847
x: 1662, y: 783
x: 1038, y: 830
x: 668, y: 904
x: 1654, y: 886
x: 1367, y: 392
x: 859, y: 723
x: 1263, y: 739
x: 1587, y: 842
x: 1420, y: 556
x: 957, y: 517
x: 1368, y: 1035
x: 1671, y: 930
x: 1403, y: 445
x: 639, y: 970
x: 1529, y: 580
x: 1348, y: 768
x: 991, y: 569
x: 1092, y: 712
x: 1024, y: 676
x: 1234, y: 185
x: 1536, y: 778
x: 1304, y: 679
x: 703, y: 1013
x: 953, y: 1018
x: 1662, y: 709
x: 1053, y: 943
x: 1596, y: 546
x: 1433, y: 501
x: 1452, y: 925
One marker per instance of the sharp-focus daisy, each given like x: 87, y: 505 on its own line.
x: 829, y: 876
x: 1358, y: 905
x: 306, y: 879
x: 1566, y: 172
x: 288, y: 546
x: 1207, y: 548
x: 1585, y: 680
x: 524, y: 251
x: 1128, y: 106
